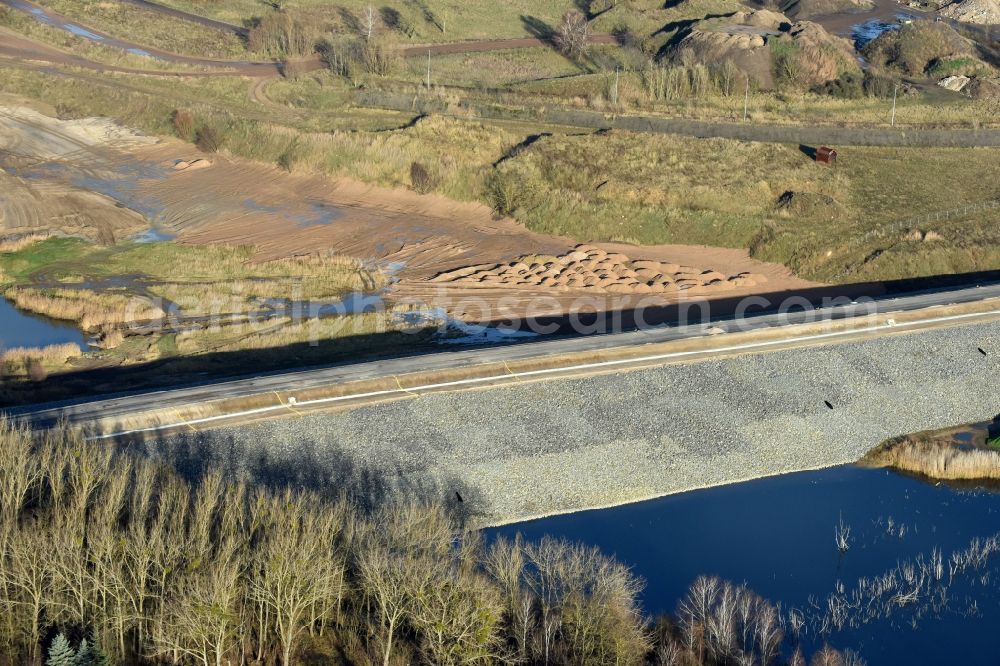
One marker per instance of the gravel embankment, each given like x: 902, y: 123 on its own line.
x: 543, y: 448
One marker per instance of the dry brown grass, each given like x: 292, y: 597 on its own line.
x: 90, y: 309
x: 283, y: 332
x: 53, y: 354
x: 18, y: 243
x: 936, y: 457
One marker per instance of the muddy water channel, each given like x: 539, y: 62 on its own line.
x: 883, y: 598
x: 20, y: 329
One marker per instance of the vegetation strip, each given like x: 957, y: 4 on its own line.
x: 807, y: 135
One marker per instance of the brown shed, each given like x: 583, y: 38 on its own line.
x: 826, y: 155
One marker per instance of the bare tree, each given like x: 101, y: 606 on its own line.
x: 28, y: 579
x: 458, y: 616
x: 384, y: 578
x: 573, y: 34
x: 294, y: 570
x: 203, y: 618
x: 842, y: 535
x: 588, y: 602
x: 827, y: 656
x: 369, y: 22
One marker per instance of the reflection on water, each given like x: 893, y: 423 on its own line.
x: 54, y: 21
x: 863, y: 33
x: 778, y: 536
x: 20, y: 329
x: 153, y: 235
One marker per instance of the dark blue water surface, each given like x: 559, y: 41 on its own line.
x: 20, y: 329
x: 777, y: 535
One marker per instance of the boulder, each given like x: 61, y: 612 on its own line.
x: 955, y: 83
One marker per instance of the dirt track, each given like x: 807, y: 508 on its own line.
x: 32, y: 144
x: 490, y: 45
x: 24, y: 47
x: 811, y: 135
x: 186, y: 16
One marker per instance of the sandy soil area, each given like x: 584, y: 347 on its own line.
x: 96, y: 179
x: 47, y: 172
x: 435, y: 244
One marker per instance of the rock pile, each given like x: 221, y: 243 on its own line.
x: 955, y: 83
x: 985, y: 12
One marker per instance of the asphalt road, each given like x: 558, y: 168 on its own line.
x: 123, y: 405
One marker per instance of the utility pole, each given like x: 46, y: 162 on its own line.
x: 428, y: 69
x: 746, y: 99
x: 892, y: 123
x: 614, y: 93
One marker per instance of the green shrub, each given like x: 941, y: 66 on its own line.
x: 784, y: 61
x: 848, y: 86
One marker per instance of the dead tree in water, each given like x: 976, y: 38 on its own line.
x: 842, y: 536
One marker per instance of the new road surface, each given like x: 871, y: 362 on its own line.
x: 635, y: 344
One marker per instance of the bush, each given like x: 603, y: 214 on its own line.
x: 573, y: 34
x: 184, y: 125
x: 421, y: 179
x: 508, y: 193
x: 282, y: 33
x: 848, y: 86
x: 877, y: 85
x: 375, y: 59
x: 784, y: 60
x: 208, y: 139
x: 338, y: 56
x: 626, y: 35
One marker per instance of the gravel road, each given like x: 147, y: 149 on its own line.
x: 536, y: 449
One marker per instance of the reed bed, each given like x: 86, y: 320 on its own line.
x: 937, y: 458
x: 18, y: 243
x: 52, y: 354
x: 90, y: 309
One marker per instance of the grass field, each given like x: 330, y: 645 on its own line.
x: 427, y: 20
x: 150, y: 28
x: 492, y: 69
x: 430, y: 21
